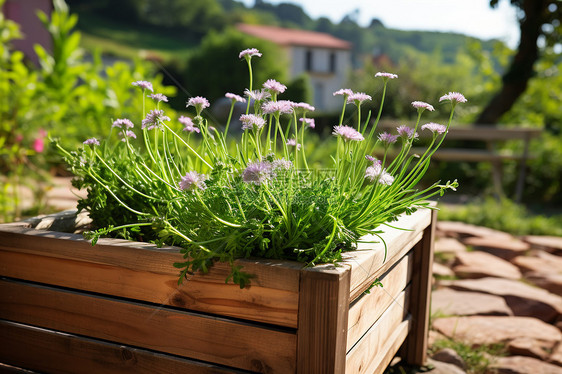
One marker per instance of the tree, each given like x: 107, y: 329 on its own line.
x: 541, y: 29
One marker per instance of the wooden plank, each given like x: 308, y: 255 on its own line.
x: 415, y: 347
x: 323, y: 309
x: 393, y: 344
x: 161, y: 329
x: 144, y: 272
x: 55, y: 352
x: 376, y: 342
x: 368, y: 308
x: 367, y: 262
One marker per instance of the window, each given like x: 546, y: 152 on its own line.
x: 308, y: 60
x: 333, y: 62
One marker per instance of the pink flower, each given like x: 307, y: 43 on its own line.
x: 249, y: 53
x: 386, y: 76
x: 347, y: 133
x: 344, y: 92
x: 91, y: 141
x: 144, y: 85
x: 282, y: 164
x: 308, y: 122
x: 123, y: 122
x: 435, y: 128
x: 406, y: 132
x: 251, y: 122
x: 376, y: 173
x: 199, y: 103
x: 307, y: 107
x: 293, y: 143
x: 274, y: 87
x: 235, y: 97
x: 256, y: 95
x: 189, y: 126
x: 420, y: 105
x: 257, y: 172
x: 192, y: 180
x: 38, y: 145
x: 372, y: 159
x: 154, y: 119
x: 357, y: 98
x: 387, y: 139
x: 127, y: 134
x: 158, y: 97
x: 281, y: 106
x: 453, y: 97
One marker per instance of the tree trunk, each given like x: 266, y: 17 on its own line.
x: 521, y: 69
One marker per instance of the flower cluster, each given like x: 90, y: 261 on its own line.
x: 254, y: 192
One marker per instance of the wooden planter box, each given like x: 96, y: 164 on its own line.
x: 67, y: 306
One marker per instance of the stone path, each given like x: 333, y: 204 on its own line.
x: 495, y: 288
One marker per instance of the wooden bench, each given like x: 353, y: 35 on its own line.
x: 492, y: 137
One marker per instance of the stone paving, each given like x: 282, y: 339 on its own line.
x: 492, y: 287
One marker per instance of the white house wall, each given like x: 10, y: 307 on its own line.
x: 323, y: 81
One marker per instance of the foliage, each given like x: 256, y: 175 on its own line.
x: 504, y: 215
x: 477, y: 359
x: 259, y: 196
x: 66, y: 95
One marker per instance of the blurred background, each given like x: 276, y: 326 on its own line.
x: 66, y: 70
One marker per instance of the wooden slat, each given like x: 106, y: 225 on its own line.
x: 55, y: 352
x: 200, y: 337
x: 373, y: 346
x: 367, y: 262
x: 142, y: 271
x: 323, y: 310
x: 368, y: 308
x: 415, y: 347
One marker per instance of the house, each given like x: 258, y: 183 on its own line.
x: 24, y: 12
x: 325, y: 58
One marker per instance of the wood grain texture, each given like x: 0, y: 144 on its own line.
x: 161, y: 329
x: 367, y: 262
x: 323, y: 310
x: 46, y: 350
x: 415, y: 346
x: 368, y: 308
x: 144, y: 272
x: 373, y: 346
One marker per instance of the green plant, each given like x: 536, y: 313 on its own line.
x: 476, y: 358
x: 258, y: 197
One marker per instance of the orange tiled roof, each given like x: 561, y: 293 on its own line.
x: 284, y: 36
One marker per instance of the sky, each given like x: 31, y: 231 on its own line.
x: 470, y: 17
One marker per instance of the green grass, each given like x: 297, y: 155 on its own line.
x: 117, y: 39
x: 477, y: 359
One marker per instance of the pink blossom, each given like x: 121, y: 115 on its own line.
x: 158, y: 97
x: 453, y: 97
x: 387, y: 139
x: 38, y: 145
x: 357, y: 98
x: 257, y: 172
x: 347, y: 133
x: 281, y: 106
x: 406, y: 132
x: 154, y: 119
x: 123, y: 122
x: 376, y: 173
x: 144, y: 85
x: 344, y: 92
x: 199, y: 103
x: 127, y: 134
x: 293, y: 143
x: 192, y: 180
x: 308, y: 122
x: 249, y: 53
x: 435, y: 128
x: 307, y: 107
x: 423, y: 106
x: 189, y: 126
x: 282, y: 164
x: 251, y: 122
x: 386, y: 75
x: 235, y: 97
x: 274, y: 87
x: 256, y: 95
x: 91, y: 141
